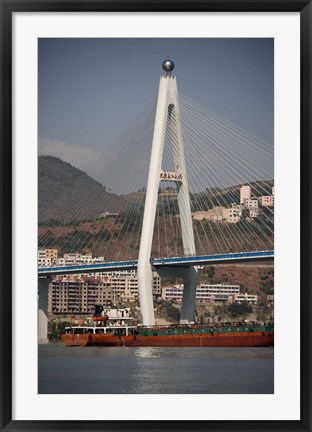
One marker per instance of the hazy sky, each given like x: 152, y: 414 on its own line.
x: 91, y: 89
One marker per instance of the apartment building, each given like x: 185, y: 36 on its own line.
x: 204, y: 292
x: 77, y: 296
x: 80, y: 293
x: 216, y: 292
x: 216, y: 214
x: 245, y: 298
x: 233, y: 214
x: 78, y: 259
x: 47, y: 257
x: 220, y: 214
x: 251, y: 203
x: 245, y: 193
x: 267, y: 201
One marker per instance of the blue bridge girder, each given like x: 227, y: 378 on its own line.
x: 186, y: 261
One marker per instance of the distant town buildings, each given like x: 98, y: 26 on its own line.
x: 216, y: 214
x: 211, y: 293
x: 245, y: 193
x: 267, y: 201
x: 49, y: 258
x: 244, y: 298
x: 80, y: 293
x: 220, y: 214
x: 251, y: 203
x: 235, y: 212
x: 77, y: 296
x: 106, y: 214
x: 78, y: 259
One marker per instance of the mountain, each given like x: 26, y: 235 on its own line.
x: 66, y: 193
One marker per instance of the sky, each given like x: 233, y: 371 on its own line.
x: 90, y: 90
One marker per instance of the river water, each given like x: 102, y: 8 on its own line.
x: 122, y: 370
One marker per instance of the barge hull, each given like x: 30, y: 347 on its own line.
x: 76, y: 339
x: 246, y: 339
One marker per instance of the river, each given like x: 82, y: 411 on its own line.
x: 122, y: 370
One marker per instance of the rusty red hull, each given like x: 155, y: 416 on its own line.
x: 246, y: 339
x: 76, y: 339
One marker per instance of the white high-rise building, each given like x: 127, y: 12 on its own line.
x: 245, y: 193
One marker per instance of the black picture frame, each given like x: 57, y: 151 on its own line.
x: 8, y: 7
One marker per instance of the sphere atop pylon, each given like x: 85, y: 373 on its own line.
x: 168, y: 66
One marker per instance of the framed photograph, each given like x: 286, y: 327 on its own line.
x: 155, y: 246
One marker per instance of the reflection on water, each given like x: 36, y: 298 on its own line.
x: 146, y: 352
x: 151, y: 370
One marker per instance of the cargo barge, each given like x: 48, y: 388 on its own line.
x: 116, y: 329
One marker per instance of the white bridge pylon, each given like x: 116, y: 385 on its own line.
x: 167, y: 116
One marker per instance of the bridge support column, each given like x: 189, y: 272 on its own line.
x: 189, y: 276
x: 145, y: 282
x: 43, y: 287
x: 189, y: 294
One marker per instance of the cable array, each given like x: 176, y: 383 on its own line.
x: 103, y: 212
x: 220, y: 158
x: 74, y: 223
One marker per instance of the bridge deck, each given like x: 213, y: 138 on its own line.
x: 159, y: 262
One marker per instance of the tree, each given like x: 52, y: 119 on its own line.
x: 211, y: 272
x: 240, y: 309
